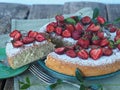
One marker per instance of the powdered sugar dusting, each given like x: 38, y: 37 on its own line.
x: 89, y: 62
x: 11, y: 51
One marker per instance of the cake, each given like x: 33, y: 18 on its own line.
x: 27, y: 48
x: 94, y: 45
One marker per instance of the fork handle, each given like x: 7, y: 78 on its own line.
x: 76, y: 85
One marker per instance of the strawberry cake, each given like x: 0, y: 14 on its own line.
x: 90, y: 44
x: 26, y: 48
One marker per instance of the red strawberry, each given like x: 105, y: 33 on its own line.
x: 54, y: 24
x: 50, y: 28
x: 70, y: 47
x: 100, y: 34
x: 76, y: 34
x: 79, y: 27
x: 71, y: 53
x: 83, y: 54
x: 66, y: 33
x: 58, y: 30
x: 117, y: 37
x: 60, y: 50
x: 86, y: 20
x: 40, y: 37
x: 59, y: 18
x: 113, y: 29
x: 16, y: 35
x: 118, y: 32
x: 27, y: 40
x: 107, y: 51
x: 118, y: 46
x: 84, y: 43
x: 70, y: 27
x: 32, y: 34
x: 94, y: 28
x: 104, y: 42
x: 95, y: 40
x: 100, y: 20
x: 17, y: 44
x: 96, y: 53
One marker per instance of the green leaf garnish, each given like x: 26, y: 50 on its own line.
x: 116, y: 21
x: 112, y: 44
x: 78, y: 75
x: 28, y: 80
x: 118, y: 41
x: 70, y: 21
x: 25, y: 86
x: 82, y: 87
x: 95, y: 13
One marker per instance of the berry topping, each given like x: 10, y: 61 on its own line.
x: 16, y: 35
x: 96, y: 53
x: 40, y: 37
x: 104, y: 42
x: 86, y: 20
x: 93, y: 27
x: 17, y: 43
x: 27, y: 40
x: 107, y: 51
x: 66, y: 33
x: 71, y: 53
x: 50, y: 28
x: 70, y: 27
x: 100, y: 20
x: 58, y: 30
x: 76, y: 34
x: 60, y: 50
x: 59, y: 18
x: 79, y: 27
x: 83, y: 54
x: 32, y: 34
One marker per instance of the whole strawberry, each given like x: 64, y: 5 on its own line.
x: 83, y: 42
x: 107, y: 51
x: 79, y: 27
x: 70, y: 27
x: 50, y: 28
x: 93, y: 27
x: 104, y: 42
x: 76, y: 34
x: 95, y: 40
x: 86, y: 20
x: 66, y: 33
x: 60, y: 50
x: 58, y: 30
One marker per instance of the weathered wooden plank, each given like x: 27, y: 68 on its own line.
x: 45, y: 11
x: 9, y: 85
x: 72, y: 7
x: 113, y: 12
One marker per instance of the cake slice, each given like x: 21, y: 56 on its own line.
x: 24, y: 50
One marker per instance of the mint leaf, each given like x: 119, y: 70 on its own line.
x: 82, y: 87
x: 28, y: 80
x: 78, y: 75
x: 70, y: 21
x: 25, y: 86
x: 95, y: 13
x: 118, y: 41
x: 21, y: 82
x: 116, y: 21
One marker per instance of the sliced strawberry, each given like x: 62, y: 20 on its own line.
x: 107, y: 51
x: 71, y: 53
x: 66, y: 33
x: 104, y: 42
x: 59, y: 18
x: 96, y: 53
x: 60, y: 50
x: 113, y: 29
x: 76, y: 35
x: 32, y: 34
x: 70, y: 27
x: 16, y: 35
x: 79, y: 27
x: 54, y: 24
x: 100, y: 20
x: 70, y: 47
x: 86, y: 20
x: 118, y: 32
x: 27, y: 40
x: 58, y: 30
x: 117, y: 37
x: 84, y: 43
x: 50, y: 28
x: 13, y: 33
x: 40, y: 37
x: 83, y: 54
x: 93, y: 28
x: 100, y: 34
x: 17, y: 44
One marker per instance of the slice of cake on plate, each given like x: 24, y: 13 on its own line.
x: 24, y: 49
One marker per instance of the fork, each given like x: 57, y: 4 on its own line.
x: 36, y: 70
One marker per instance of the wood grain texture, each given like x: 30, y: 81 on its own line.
x: 9, y: 85
x: 72, y: 7
x: 113, y: 11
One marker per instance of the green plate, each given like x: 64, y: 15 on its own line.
x: 71, y: 78
x: 7, y: 72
